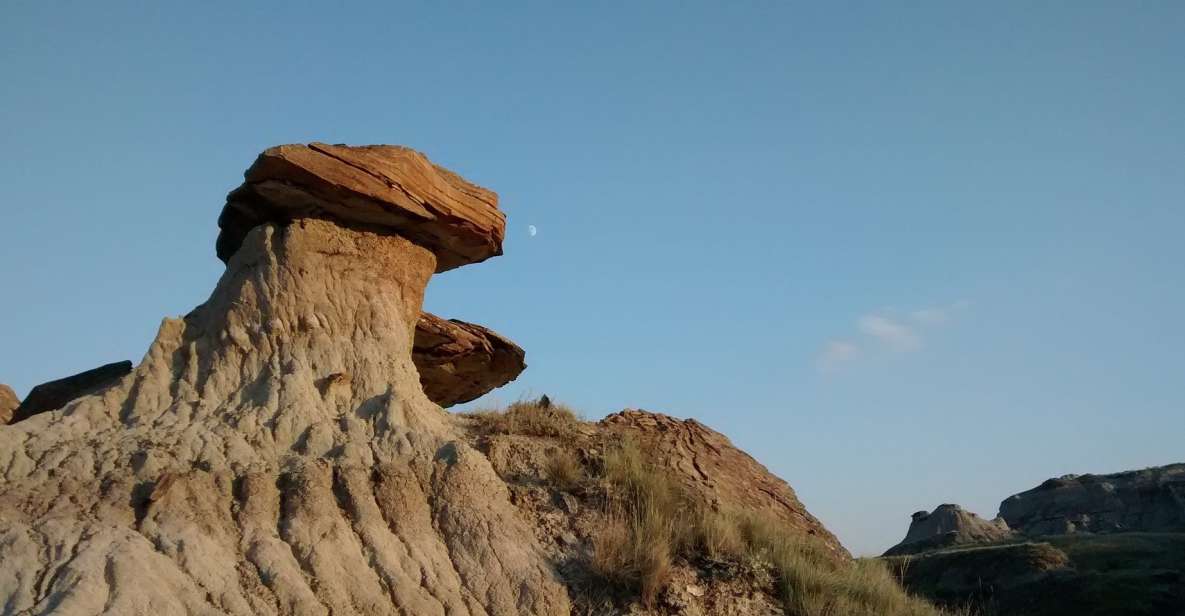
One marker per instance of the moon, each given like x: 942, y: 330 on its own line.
x: 532, y: 230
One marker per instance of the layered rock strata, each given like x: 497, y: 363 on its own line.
x: 460, y: 361
x: 274, y: 452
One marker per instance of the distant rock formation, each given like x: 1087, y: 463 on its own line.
x: 274, y: 452
x: 719, y: 473
x: 55, y: 394
x: 949, y: 525
x: 460, y: 361
x: 1151, y: 500
x: 8, y: 403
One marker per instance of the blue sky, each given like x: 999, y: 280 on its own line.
x: 902, y: 255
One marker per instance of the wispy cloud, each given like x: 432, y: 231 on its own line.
x: 930, y: 316
x: 834, y: 353
x: 893, y: 333
x: 937, y: 315
x: 894, y: 330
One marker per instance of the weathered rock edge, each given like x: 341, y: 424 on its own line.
x: 55, y: 394
x: 384, y: 187
x: 460, y: 361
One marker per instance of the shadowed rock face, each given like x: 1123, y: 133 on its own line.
x: 715, y: 471
x: 273, y: 453
x: 1151, y: 500
x: 946, y: 526
x: 8, y: 403
x: 460, y: 361
x: 55, y: 394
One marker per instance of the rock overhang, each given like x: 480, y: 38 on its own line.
x: 383, y: 187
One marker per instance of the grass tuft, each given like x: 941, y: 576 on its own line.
x: 650, y: 523
x: 529, y: 418
x: 563, y: 469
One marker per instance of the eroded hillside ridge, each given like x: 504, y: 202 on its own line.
x: 274, y: 451
x: 949, y: 525
x: 1149, y: 500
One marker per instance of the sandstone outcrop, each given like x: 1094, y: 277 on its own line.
x: 389, y: 187
x: 1150, y: 500
x: 460, y: 361
x: 721, y: 475
x: 949, y: 525
x: 274, y: 452
x: 8, y: 403
x: 55, y: 394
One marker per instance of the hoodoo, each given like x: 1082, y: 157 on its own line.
x: 274, y: 452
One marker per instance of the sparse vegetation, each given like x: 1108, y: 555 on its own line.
x: 650, y: 524
x: 530, y: 417
x: 1121, y: 573
x: 563, y: 470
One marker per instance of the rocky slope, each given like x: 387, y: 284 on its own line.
x: 1150, y: 500
x: 274, y: 452
x: 1079, y: 544
x: 721, y: 475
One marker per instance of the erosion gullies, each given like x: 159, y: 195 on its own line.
x: 274, y: 452
x: 457, y: 362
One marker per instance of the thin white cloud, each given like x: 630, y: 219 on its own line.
x: 897, y: 335
x: 930, y: 316
x: 897, y: 331
x: 836, y: 352
x: 938, y: 315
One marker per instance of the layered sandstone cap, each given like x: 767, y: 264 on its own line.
x: 459, y: 362
x: 380, y: 187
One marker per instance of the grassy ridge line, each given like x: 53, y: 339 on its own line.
x: 648, y: 525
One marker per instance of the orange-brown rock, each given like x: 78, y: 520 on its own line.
x: 378, y: 187
x: 716, y: 471
x: 8, y: 403
x: 460, y: 361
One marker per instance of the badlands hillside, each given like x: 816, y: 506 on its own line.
x: 1105, y: 545
x: 283, y: 448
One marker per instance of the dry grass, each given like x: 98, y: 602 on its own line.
x: 530, y: 418
x: 644, y: 525
x: 650, y: 524
x: 563, y: 470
